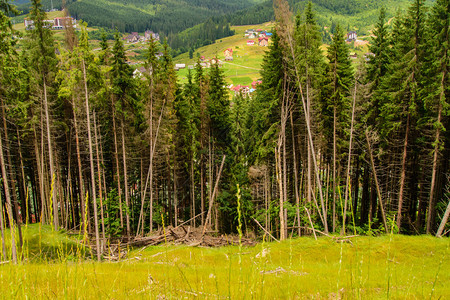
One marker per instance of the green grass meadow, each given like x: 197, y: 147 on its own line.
x: 385, y: 267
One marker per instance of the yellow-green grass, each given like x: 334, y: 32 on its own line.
x: 396, y: 267
x: 42, y: 243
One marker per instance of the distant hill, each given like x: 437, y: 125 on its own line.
x: 162, y: 16
x: 358, y: 15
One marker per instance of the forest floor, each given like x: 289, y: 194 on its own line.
x: 389, y: 266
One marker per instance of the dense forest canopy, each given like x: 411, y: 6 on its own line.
x: 322, y: 146
x: 162, y: 16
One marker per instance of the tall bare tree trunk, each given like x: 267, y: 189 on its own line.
x: 192, y: 190
x: 91, y: 161
x: 125, y: 180
x: 403, y: 175
x: 202, y: 192
x: 432, y: 202
x: 150, y: 171
x: 39, y: 173
x: 50, y: 155
x: 216, y: 186
x: 8, y: 203
x: 444, y: 220
x: 80, y: 170
x: 283, y: 16
x: 13, y: 181
x: 297, y: 196
x: 116, y: 156
x: 375, y: 177
x: 2, y: 229
x: 22, y: 170
x: 347, y: 176
x: 99, y: 170
x: 281, y: 193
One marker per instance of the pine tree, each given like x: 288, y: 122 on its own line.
x: 336, y: 104
x: 437, y: 93
x: 312, y: 68
x: 401, y: 100
x: 41, y: 49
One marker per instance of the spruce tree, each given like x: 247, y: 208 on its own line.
x: 335, y: 105
x: 437, y: 99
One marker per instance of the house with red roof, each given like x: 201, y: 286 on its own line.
x: 263, y: 41
x: 228, y: 53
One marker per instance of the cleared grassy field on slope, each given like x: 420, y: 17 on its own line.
x: 391, y: 266
x: 246, y: 64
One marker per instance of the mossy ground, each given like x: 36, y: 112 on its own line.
x: 391, y: 266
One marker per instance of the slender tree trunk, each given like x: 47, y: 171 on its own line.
x: 22, y: 170
x: 444, y: 221
x: 8, y: 202
x: 431, y: 202
x: 383, y: 215
x: 403, y: 175
x: 281, y: 193
x: 40, y: 174
x: 91, y: 161
x: 175, y: 192
x: 116, y: 156
x: 125, y: 179
x: 80, y: 170
x: 99, y: 170
x: 192, y: 190
x: 202, y: 192
x: 216, y: 186
x: 2, y: 229
x: 150, y: 170
x: 297, y: 196
x: 210, y: 175
x: 50, y: 155
x: 347, y: 176
x: 15, y: 201
x: 334, y: 168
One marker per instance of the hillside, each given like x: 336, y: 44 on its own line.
x: 352, y: 14
x: 164, y: 16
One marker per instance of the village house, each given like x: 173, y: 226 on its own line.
x: 179, y: 66
x: 263, y: 41
x: 149, y: 34
x: 251, y: 33
x: 250, y: 42
x: 351, y: 36
x: 256, y: 83
x: 243, y: 90
x: 139, y: 73
x: 228, y: 53
x: 56, y: 23
x: 132, y: 38
x: 63, y: 22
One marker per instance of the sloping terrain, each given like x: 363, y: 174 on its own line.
x: 163, y: 16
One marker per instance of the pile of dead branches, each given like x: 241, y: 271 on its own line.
x: 191, y: 236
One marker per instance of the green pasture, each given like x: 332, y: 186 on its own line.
x: 385, y: 267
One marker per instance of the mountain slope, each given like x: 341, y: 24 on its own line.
x: 352, y: 14
x: 163, y: 16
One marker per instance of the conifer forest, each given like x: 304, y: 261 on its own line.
x: 325, y: 145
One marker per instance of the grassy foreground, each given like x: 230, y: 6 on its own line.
x: 397, y: 267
